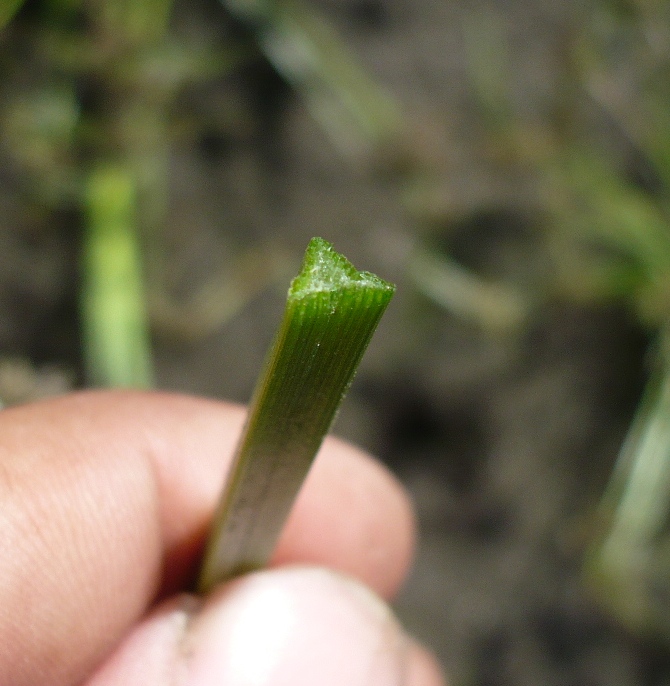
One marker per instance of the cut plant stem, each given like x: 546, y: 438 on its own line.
x: 331, y: 313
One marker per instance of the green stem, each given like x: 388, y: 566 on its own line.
x: 116, y: 333
x: 331, y: 313
x: 8, y: 8
x: 358, y: 114
x: 628, y: 564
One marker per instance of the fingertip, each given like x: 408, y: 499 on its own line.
x: 151, y: 653
x: 108, y: 498
x: 296, y: 625
x: 422, y: 667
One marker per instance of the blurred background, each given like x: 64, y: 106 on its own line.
x: 164, y: 164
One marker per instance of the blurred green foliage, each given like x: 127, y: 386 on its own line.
x: 604, y: 191
x: 88, y: 116
x: 97, y: 91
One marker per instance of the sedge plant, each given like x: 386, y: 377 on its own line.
x: 331, y: 312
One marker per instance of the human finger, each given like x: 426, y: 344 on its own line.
x: 106, y: 499
x: 295, y: 625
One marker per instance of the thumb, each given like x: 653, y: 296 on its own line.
x: 294, y: 625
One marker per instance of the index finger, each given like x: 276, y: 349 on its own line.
x: 105, y: 502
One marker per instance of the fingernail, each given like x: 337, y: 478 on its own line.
x: 294, y: 627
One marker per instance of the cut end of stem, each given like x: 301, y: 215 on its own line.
x: 325, y: 270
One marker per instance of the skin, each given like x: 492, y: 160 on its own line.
x: 106, y: 498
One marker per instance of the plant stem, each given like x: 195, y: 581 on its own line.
x: 7, y: 10
x: 331, y: 313
x: 116, y: 332
x: 628, y: 563
x: 358, y: 114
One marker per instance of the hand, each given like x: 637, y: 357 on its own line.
x: 105, y: 500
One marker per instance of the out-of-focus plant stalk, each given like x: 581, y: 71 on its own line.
x: 116, y: 336
x: 8, y: 9
x: 496, y: 307
x: 360, y: 116
x: 629, y: 564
